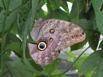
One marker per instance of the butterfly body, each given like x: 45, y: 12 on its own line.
x: 53, y: 35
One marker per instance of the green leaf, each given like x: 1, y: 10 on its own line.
x: 12, y: 38
x: 16, y: 68
x: 93, y: 38
x: 36, y: 8
x: 77, y: 9
x: 36, y: 66
x: 10, y: 20
x: 99, y: 73
x: 52, y: 5
x: 92, y: 33
x: 55, y: 4
x: 54, y: 10
x: 27, y: 28
x: 93, y: 65
x: 50, y: 69
x: 97, y: 5
x: 63, y: 3
x: 14, y: 4
x: 80, y: 62
x: 78, y: 46
x: 13, y: 43
x: 40, y: 14
x: 1, y: 6
x: 59, y: 75
x: 9, y: 16
x: 71, y: 56
x: 59, y: 14
x: 1, y: 3
x: 1, y: 20
x: 14, y: 28
x: 5, y: 4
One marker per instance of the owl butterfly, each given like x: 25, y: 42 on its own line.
x: 51, y: 37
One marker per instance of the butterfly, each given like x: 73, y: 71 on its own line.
x: 51, y: 36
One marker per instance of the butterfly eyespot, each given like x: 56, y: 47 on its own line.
x: 51, y: 31
x: 42, y: 46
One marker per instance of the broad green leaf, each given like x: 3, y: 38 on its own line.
x: 50, y: 69
x: 80, y: 62
x: 10, y: 20
x: 1, y: 20
x: 78, y: 46
x: 59, y: 14
x: 24, y: 1
x: 1, y: 6
x: 23, y: 16
x: 16, y: 68
x: 54, y: 10
x: 14, y: 28
x: 93, y: 38
x: 91, y: 62
x: 71, y: 56
x: 12, y: 38
x: 36, y: 66
x: 13, y: 43
x: 9, y: 15
x: 40, y: 14
x: 97, y: 5
x: 93, y: 65
x: 27, y: 27
x: 5, y: 5
x: 52, y: 5
x: 16, y: 47
x: 99, y: 70
x: 14, y: 4
x: 55, y: 4
x: 36, y: 8
x: 59, y: 75
x: 77, y: 9
x: 92, y: 33
x: 63, y: 3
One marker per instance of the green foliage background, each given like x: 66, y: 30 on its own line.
x: 17, y: 17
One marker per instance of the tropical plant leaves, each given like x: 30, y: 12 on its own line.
x: 92, y: 66
x: 17, y: 19
x: 12, y: 5
x: 78, y: 9
x: 98, y: 6
x: 16, y: 68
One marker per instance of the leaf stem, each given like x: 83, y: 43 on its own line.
x: 75, y: 60
x: 2, y: 51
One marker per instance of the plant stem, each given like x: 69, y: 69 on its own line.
x: 1, y: 52
x: 75, y: 60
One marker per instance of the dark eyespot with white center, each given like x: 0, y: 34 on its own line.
x: 42, y: 46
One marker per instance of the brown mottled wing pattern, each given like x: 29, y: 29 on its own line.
x: 54, y: 35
